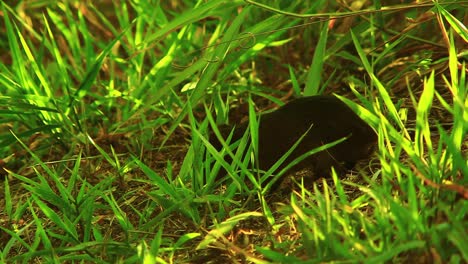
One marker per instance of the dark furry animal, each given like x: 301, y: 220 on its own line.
x: 328, y: 118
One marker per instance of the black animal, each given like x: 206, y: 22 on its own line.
x: 328, y: 118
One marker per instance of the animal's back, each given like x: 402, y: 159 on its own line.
x: 328, y: 118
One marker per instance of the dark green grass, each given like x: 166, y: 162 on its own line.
x: 105, y: 112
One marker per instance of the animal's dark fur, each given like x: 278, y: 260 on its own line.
x: 328, y: 118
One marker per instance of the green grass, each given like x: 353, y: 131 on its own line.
x: 106, y: 109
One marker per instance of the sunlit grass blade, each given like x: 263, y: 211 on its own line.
x: 315, y: 71
x: 423, y: 137
x: 457, y: 25
x: 222, y: 228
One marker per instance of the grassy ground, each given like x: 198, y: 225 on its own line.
x: 106, y: 107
